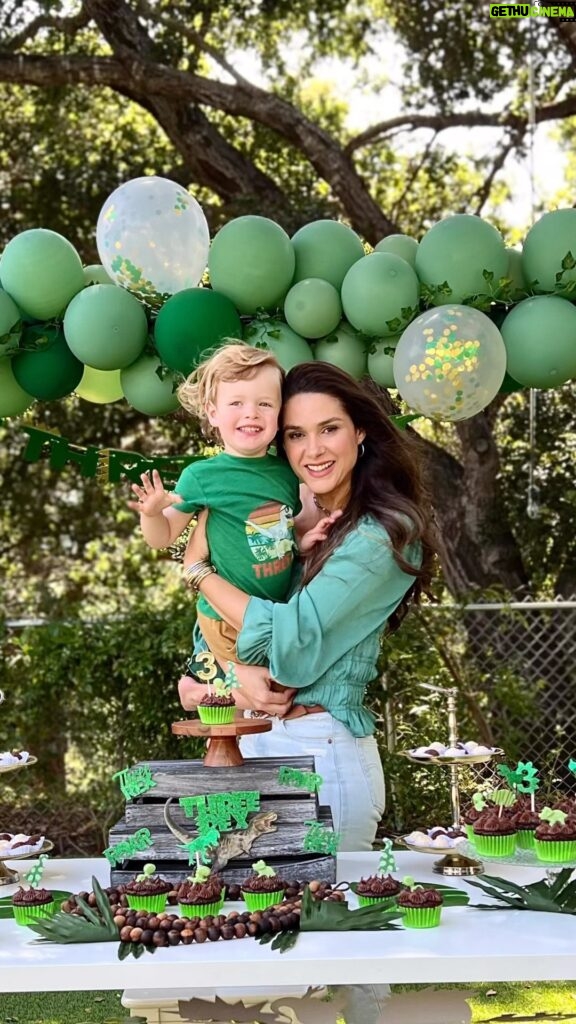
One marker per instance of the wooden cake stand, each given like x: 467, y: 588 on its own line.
x: 223, y: 750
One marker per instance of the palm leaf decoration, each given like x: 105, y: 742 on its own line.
x: 92, y: 925
x: 558, y: 897
x: 451, y: 897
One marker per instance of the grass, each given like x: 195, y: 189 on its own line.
x: 522, y: 1002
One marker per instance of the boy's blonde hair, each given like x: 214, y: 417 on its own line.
x: 233, y: 360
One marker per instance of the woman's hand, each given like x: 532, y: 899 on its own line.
x: 190, y: 692
x: 254, y: 693
x: 197, y: 548
x: 152, y: 498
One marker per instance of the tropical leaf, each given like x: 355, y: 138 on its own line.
x: 558, y: 897
x: 285, y: 941
x: 326, y: 916
x: 89, y: 926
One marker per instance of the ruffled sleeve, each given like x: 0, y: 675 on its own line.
x: 351, y: 597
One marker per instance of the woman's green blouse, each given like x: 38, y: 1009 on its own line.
x: 325, y: 639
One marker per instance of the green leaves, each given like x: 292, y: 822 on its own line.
x: 557, y: 898
x: 92, y: 925
x: 325, y: 916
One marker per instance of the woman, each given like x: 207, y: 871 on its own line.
x: 360, y: 578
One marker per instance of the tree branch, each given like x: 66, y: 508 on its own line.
x: 501, y: 155
x: 68, y: 26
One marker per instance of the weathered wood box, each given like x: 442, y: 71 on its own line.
x: 283, y: 849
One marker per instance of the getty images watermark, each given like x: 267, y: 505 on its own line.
x: 534, y: 10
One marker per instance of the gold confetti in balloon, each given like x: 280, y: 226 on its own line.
x: 450, y: 362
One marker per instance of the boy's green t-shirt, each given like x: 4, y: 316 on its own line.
x: 250, y: 529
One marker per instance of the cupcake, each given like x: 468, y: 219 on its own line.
x: 525, y: 822
x: 29, y: 905
x: 421, y: 907
x: 148, y: 891
x: 469, y: 819
x: 202, y: 894
x: 555, y: 837
x: 377, y: 888
x: 494, y: 835
x: 262, y: 889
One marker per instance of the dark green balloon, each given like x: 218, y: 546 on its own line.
x: 51, y: 370
x: 191, y: 323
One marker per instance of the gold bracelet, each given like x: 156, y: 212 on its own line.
x: 190, y: 570
x: 194, y: 579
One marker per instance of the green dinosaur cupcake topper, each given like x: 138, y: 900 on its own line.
x: 202, y: 874
x: 147, y: 872
x: 261, y: 868
x: 553, y: 817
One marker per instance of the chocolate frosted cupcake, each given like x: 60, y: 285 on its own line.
x: 216, y: 710
x: 494, y: 835
x: 30, y: 905
x: 203, y: 894
x: 421, y: 907
x: 262, y: 889
x: 469, y: 818
x: 377, y: 888
x: 555, y: 837
x: 148, y: 891
x: 525, y: 823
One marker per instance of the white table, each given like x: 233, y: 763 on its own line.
x: 468, y: 946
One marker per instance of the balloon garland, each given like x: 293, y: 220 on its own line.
x: 448, y: 321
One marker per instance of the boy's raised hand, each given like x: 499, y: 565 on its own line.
x: 317, y: 533
x: 152, y: 498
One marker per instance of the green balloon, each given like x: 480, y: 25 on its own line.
x: 42, y: 272
x: 191, y: 323
x: 540, y: 338
x: 251, y: 261
x: 288, y: 347
x: 147, y: 392
x: 457, y: 251
x: 381, y: 362
x: 399, y: 245
x: 96, y: 274
x: 326, y: 249
x: 9, y: 319
x: 13, y: 399
x: 515, y: 273
x: 49, y: 370
x: 549, y: 241
x: 343, y: 348
x: 105, y: 327
x: 100, y: 386
x: 313, y: 308
x: 376, y: 293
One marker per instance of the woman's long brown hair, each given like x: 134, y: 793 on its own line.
x: 387, y: 480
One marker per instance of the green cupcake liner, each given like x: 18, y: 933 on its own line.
x: 216, y: 716
x: 200, y: 909
x: 495, y: 846
x: 367, y: 901
x: 29, y: 915
x: 261, y: 900
x: 559, y: 852
x: 525, y: 839
x: 421, y: 917
x: 154, y: 904
x: 469, y: 832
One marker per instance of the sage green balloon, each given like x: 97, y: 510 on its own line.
x: 49, y: 370
x: 381, y: 362
x: 251, y: 261
x: 540, y: 338
x: 380, y: 294
x: 288, y: 347
x: 515, y: 273
x: 100, y: 386
x: 13, y: 399
x: 148, y: 392
x: 400, y: 245
x: 312, y: 307
x: 549, y: 241
x: 9, y: 318
x: 460, y: 253
x: 326, y: 249
x: 106, y: 327
x: 345, y: 349
x: 42, y: 272
x: 95, y: 273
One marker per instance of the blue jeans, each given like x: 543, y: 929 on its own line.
x: 353, y: 780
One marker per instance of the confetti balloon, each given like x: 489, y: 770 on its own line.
x: 42, y: 271
x: 106, y: 327
x: 289, y: 348
x: 326, y: 249
x: 100, y: 386
x: 343, y: 348
x: 252, y: 262
x: 540, y: 338
x: 313, y: 308
x: 450, y: 362
x: 152, y: 237
x: 550, y: 241
x: 147, y: 390
x: 399, y: 245
x: 380, y: 293
x: 461, y: 256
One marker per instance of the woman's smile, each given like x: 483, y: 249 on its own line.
x: 321, y: 443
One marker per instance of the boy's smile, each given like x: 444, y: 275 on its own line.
x: 246, y: 412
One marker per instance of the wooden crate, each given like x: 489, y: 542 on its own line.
x: 282, y: 849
